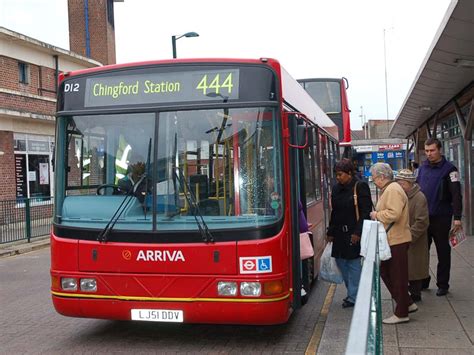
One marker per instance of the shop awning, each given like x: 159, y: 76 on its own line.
x: 447, y: 69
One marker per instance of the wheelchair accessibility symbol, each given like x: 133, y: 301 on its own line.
x: 264, y: 264
x: 255, y: 264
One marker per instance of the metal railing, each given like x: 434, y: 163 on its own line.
x: 25, y: 218
x: 365, y: 334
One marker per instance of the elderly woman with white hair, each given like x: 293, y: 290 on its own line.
x: 392, y: 211
x: 418, y: 255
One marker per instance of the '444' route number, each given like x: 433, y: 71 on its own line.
x: 215, y: 84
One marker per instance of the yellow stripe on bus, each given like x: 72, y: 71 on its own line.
x: 169, y: 299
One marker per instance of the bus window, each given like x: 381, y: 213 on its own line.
x: 317, y: 170
x: 308, y: 162
x: 326, y: 94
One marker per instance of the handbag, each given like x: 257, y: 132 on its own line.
x: 306, y: 248
x: 356, y: 203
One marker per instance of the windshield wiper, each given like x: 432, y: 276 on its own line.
x: 191, y: 198
x: 104, y: 234
x: 147, y: 174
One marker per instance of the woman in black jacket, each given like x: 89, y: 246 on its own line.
x: 345, y: 227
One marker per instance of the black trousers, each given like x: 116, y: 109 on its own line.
x: 438, y: 231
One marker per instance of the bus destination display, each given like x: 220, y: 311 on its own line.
x: 153, y: 88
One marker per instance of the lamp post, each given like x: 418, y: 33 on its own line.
x: 363, y: 120
x: 175, y: 38
x: 385, y: 67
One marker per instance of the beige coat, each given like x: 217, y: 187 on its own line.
x: 392, y: 206
x: 418, y: 255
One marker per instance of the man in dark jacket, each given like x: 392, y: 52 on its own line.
x: 440, y: 183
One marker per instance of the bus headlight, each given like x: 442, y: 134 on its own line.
x: 88, y: 285
x: 250, y: 289
x: 226, y: 288
x: 68, y: 284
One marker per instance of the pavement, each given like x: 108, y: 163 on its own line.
x: 22, y: 246
x: 442, y: 325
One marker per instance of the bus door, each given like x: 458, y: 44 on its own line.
x: 298, y: 141
x: 323, y: 153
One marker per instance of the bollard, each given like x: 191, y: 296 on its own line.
x: 28, y: 219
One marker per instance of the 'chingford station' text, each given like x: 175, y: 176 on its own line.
x: 122, y: 89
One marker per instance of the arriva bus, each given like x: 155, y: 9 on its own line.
x: 176, y: 191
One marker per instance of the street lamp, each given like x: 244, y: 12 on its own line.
x: 385, y: 66
x: 175, y: 38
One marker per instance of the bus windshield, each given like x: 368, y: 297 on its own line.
x: 326, y: 93
x: 224, y: 164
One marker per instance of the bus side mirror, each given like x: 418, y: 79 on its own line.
x: 298, y: 131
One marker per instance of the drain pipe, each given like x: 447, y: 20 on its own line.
x: 86, y: 24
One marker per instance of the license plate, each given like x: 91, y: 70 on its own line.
x: 158, y: 315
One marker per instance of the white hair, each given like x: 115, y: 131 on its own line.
x: 382, y: 169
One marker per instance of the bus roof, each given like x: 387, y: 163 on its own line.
x: 169, y: 61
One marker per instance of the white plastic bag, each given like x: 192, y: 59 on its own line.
x: 384, y: 247
x: 328, y: 268
x: 364, y: 240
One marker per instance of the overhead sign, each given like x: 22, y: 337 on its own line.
x: 158, y: 87
x: 390, y: 147
x: 167, y: 85
x: 363, y: 148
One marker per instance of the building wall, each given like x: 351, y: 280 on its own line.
x: 7, y: 163
x: 100, y: 29
x: 41, y: 79
x: 27, y: 112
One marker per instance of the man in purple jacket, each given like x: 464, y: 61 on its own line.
x: 439, y: 182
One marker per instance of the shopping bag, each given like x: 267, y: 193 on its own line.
x: 328, y: 268
x: 364, y: 240
x: 456, y: 237
x: 306, y: 248
x: 384, y: 247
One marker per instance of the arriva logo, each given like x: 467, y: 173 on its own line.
x: 160, y: 255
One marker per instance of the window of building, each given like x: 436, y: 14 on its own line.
x: 33, y: 170
x: 23, y: 73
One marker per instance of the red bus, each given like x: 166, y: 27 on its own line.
x: 176, y: 191
x: 331, y: 95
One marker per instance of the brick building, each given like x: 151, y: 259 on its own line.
x: 28, y: 79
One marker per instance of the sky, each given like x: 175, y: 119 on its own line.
x: 310, y: 38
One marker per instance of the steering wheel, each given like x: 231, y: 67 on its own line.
x: 117, y: 190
